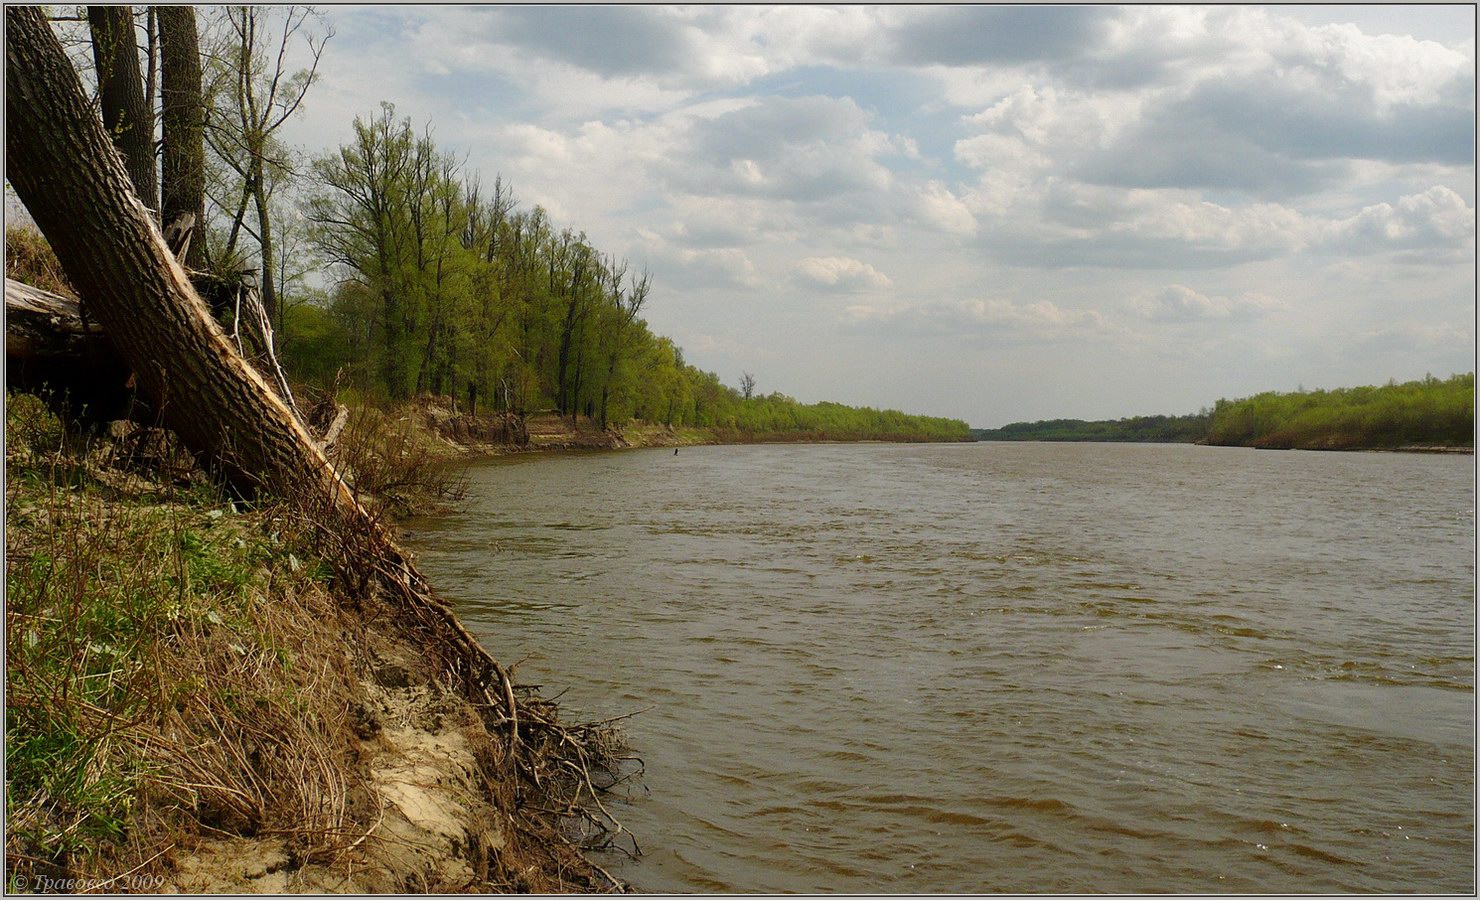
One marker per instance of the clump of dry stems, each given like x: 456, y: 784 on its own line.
x: 29, y: 258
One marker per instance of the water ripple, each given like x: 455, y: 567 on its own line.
x: 1002, y: 668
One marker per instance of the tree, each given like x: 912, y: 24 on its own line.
x: 66, y: 171
x: 747, y: 385
x: 182, y: 124
x: 251, y: 100
x: 126, y: 110
x: 361, y: 224
x: 621, y: 317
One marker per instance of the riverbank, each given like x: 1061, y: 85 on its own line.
x: 198, y: 700
x: 452, y: 434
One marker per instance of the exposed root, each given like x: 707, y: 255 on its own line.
x: 546, y: 757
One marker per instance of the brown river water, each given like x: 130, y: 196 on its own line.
x: 1000, y: 667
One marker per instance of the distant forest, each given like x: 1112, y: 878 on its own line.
x: 447, y: 288
x: 1139, y: 429
x: 1426, y: 413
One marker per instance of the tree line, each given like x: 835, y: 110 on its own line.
x: 446, y: 287
x: 1140, y: 429
x: 1428, y: 412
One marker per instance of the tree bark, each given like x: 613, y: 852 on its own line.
x: 264, y: 236
x: 182, y: 167
x: 127, y: 113
x: 67, y: 173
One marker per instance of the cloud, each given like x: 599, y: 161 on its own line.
x: 1249, y: 102
x: 684, y: 268
x: 609, y: 40
x: 938, y: 209
x: 840, y: 273
x: 805, y: 149
x: 1055, y: 154
x: 1276, y: 134
x: 1412, y: 338
x: 1437, y: 220
x: 991, y: 319
x: 1063, y: 224
x: 994, y: 35
x: 1179, y: 303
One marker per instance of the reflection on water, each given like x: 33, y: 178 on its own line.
x: 1002, y: 667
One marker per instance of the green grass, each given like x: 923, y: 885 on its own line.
x: 150, y: 634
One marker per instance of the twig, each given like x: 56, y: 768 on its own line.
x: 588, y: 726
x: 509, y: 700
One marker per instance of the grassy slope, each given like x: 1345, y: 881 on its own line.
x: 192, y: 702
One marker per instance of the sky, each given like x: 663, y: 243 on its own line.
x: 990, y: 213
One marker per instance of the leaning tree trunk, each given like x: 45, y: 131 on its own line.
x: 127, y: 113
x: 182, y: 122
x: 66, y: 172
x: 72, y: 181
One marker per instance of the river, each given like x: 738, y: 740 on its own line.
x: 1001, y: 667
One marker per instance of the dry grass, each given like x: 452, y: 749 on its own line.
x: 169, y: 659
x: 29, y: 258
x: 395, y: 465
x: 181, y: 667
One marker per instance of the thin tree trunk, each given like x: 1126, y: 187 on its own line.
x: 264, y: 233
x: 127, y: 113
x: 183, y: 174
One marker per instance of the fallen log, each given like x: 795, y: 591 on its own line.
x: 51, y: 344
x: 42, y: 324
x: 53, y: 349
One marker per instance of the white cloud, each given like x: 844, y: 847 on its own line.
x: 1437, y: 219
x: 1041, y: 320
x: 686, y: 268
x: 840, y: 273
x: 1179, y: 303
x: 1411, y: 337
x: 939, y: 209
x: 1238, y: 153
x: 804, y: 149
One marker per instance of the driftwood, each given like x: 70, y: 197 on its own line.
x: 40, y: 324
x: 331, y: 434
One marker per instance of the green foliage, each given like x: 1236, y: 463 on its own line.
x: 1142, y: 429
x: 779, y: 417
x: 149, y: 636
x: 91, y: 601
x: 1429, y: 412
x: 448, y: 289
x: 1420, y: 413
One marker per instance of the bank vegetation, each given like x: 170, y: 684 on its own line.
x: 1429, y: 414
